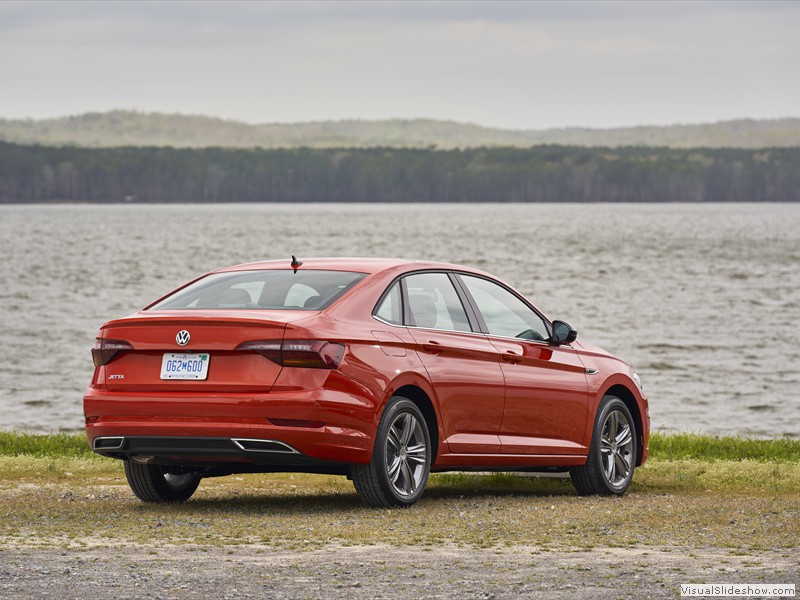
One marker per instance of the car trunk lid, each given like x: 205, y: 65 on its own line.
x: 212, y: 337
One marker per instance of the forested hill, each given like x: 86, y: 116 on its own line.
x: 131, y: 128
x: 538, y: 174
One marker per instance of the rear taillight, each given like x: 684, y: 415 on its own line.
x: 310, y: 354
x: 104, y: 350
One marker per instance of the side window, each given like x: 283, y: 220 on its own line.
x: 504, y: 313
x: 391, y: 309
x: 434, y: 303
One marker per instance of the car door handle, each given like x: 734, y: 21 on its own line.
x: 432, y: 347
x: 511, y: 357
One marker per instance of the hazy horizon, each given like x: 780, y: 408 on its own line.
x: 390, y: 118
x: 521, y: 66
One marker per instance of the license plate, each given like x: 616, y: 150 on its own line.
x: 181, y: 365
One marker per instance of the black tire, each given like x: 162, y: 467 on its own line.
x: 155, y: 483
x: 401, y: 458
x: 613, y: 452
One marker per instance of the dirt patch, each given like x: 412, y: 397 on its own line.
x: 82, y: 534
x: 379, y: 572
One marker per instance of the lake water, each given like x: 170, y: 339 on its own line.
x: 704, y: 300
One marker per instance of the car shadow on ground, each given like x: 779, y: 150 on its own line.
x: 474, y: 489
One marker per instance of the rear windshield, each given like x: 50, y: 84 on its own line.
x: 274, y: 290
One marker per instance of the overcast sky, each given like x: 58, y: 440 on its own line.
x: 514, y: 65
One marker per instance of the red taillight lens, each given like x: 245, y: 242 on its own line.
x: 104, y: 350
x: 310, y: 354
x: 270, y: 350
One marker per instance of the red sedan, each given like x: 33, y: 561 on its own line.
x: 379, y: 369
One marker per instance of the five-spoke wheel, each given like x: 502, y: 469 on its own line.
x: 406, y: 454
x: 401, y: 458
x: 612, y: 454
x: 616, y: 447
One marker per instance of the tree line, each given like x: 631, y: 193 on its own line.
x: 538, y: 174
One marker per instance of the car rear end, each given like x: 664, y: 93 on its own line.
x: 231, y: 373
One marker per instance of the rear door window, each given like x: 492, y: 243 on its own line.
x: 433, y: 303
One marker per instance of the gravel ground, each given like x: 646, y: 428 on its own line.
x: 379, y: 572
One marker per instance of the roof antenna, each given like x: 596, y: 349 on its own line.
x: 296, y: 264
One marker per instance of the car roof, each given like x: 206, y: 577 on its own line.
x: 355, y: 264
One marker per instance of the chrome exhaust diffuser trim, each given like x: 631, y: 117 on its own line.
x: 101, y: 444
x: 251, y: 445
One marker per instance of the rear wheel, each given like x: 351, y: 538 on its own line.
x: 612, y: 455
x: 401, y: 458
x: 156, y: 483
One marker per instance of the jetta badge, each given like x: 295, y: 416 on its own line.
x: 183, y: 337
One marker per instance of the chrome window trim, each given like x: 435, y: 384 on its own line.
x: 377, y: 318
x: 481, y: 333
x: 486, y: 335
x: 521, y: 341
x: 427, y: 328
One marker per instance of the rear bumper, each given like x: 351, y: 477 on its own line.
x: 211, y: 452
x: 194, y: 426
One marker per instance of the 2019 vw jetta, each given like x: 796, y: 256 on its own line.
x: 379, y: 369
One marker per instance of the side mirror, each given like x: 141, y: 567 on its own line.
x: 563, y: 333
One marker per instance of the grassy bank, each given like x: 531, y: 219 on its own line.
x: 682, y: 446
x: 696, y: 491
x: 54, y: 445
x: 712, y: 448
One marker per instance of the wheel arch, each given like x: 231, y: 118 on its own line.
x: 423, y: 401
x: 627, y: 397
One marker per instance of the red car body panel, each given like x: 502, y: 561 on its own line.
x: 497, y: 402
x: 547, y: 399
x: 468, y: 385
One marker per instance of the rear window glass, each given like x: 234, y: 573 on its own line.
x: 272, y: 290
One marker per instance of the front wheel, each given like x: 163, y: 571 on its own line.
x: 401, y: 458
x: 156, y: 483
x: 612, y: 455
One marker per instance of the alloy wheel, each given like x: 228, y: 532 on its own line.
x: 616, y: 447
x: 406, y: 454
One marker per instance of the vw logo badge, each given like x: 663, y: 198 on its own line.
x: 183, y: 337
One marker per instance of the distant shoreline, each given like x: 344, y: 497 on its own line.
x: 119, y: 128
x: 32, y: 174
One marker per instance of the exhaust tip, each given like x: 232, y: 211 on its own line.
x: 108, y: 443
x: 264, y: 446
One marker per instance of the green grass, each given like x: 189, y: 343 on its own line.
x: 677, y: 504
x: 680, y: 446
x: 56, y: 445
x: 696, y: 491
